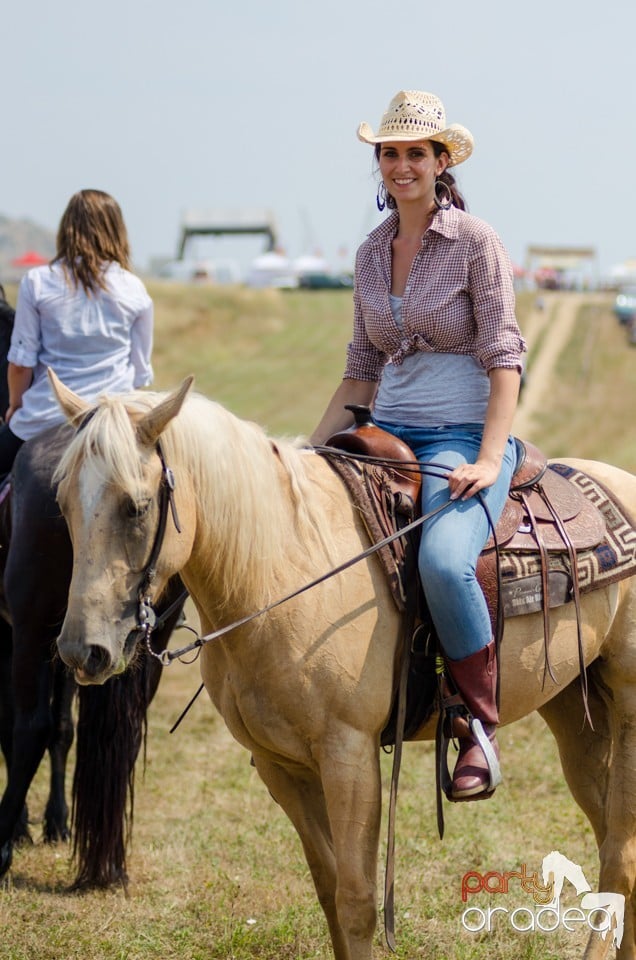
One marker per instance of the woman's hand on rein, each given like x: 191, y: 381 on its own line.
x: 469, y: 478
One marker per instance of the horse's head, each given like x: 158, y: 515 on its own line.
x: 122, y: 506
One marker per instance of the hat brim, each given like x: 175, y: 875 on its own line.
x: 457, y: 139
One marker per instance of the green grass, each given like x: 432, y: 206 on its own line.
x: 270, y: 356
x: 593, y: 393
x: 216, y: 869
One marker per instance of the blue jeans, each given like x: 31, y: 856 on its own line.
x: 453, y: 539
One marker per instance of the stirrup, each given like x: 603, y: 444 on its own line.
x: 494, y: 769
x: 443, y: 776
x: 485, y: 779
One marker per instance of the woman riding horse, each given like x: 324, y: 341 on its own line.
x: 436, y: 349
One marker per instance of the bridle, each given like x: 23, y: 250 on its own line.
x: 146, y: 616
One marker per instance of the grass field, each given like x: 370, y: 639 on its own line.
x: 216, y: 869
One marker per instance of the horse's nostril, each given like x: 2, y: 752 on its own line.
x: 98, y: 661
x: 90, y: 663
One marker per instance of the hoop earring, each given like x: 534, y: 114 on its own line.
x: 444, y: 202
x: 381, y: 197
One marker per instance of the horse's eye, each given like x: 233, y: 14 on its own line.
x: 137, y: 509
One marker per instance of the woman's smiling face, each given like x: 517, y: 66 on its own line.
x: 409, y: 169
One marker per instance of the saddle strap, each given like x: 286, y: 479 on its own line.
x: 544, y: 563
x: 576, y: 597
x: 408, y: 626
x: 576, y: 593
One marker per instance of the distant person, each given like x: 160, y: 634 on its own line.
x: 7, y: 313
x: 7, y: 316
x: 84, y: 314
x: 436, y: 350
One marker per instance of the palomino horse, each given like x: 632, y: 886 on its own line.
x: 307, y: 688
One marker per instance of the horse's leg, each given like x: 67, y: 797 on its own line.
x: 31, y: 732
x: 56, y: 812
x: 618, y: 849
x: 585, y: 758
x: 6, y: 696
x: 21, y: 830
x: 300, y: 795
x: 337, y: 813
x: 584, y: 753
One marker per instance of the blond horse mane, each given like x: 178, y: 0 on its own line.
x: 235, y: 472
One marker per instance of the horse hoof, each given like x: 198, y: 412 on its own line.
x: 21, y: 833
x: 56, y: 834
x: 6, y: 856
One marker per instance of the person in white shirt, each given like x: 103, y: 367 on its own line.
x: 84, y: 314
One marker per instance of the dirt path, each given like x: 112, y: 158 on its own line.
x: 550, y: 328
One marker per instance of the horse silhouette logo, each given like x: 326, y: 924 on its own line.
x: 556, y: 869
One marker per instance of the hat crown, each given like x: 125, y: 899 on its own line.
x: 417, y: 115
x: 411, y: 111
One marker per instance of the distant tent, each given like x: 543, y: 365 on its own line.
x: 30, y: 259
x: 310, y: 264
x: 623, y: 272
x: 271, y: 269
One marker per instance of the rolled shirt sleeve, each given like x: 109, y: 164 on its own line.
x: 141, y: 346
x: 26, y: 339
x: 498, y: 342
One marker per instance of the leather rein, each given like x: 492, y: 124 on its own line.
x: 146, y: 617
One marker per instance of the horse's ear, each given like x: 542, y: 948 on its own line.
x: 153, y: 423
x: 73, y: 407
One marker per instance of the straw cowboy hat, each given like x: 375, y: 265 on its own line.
x: 414, y: 115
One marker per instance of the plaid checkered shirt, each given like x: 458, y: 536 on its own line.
x: 459, y: 298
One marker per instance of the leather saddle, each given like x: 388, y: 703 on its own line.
x: 538, y: 498
x: 544, y: 511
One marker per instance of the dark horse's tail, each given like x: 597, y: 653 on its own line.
x: 111, y: 730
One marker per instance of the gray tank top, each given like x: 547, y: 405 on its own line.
x: 431, y: 389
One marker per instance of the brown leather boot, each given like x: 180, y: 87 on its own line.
x: 477, y: 769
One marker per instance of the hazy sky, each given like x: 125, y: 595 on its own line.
x: 255, y: 104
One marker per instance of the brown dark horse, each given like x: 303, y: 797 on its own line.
x: 37, y: 691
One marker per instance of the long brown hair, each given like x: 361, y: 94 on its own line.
x: 446, y: 178
x: 91, y: 234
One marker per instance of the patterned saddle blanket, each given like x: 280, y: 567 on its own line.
x: 565, y: 514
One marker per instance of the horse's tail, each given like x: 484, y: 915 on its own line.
x: 111, y: 730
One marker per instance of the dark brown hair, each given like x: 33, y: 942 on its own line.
x: 91, y: 234
x: 446, y: 177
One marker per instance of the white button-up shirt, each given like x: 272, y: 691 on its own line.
x: 96, y: 343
